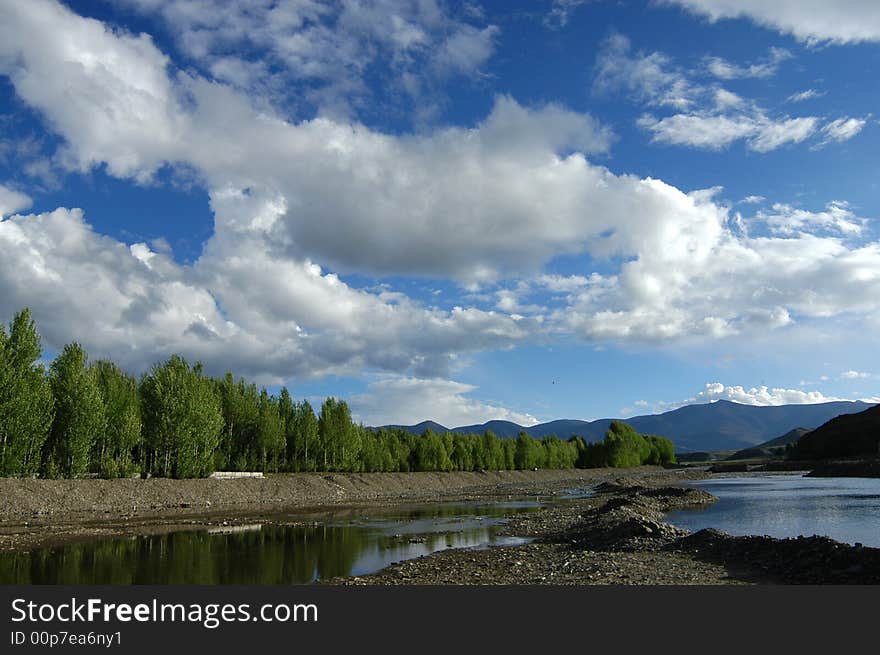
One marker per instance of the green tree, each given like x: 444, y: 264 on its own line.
x: 80, y: 417
x: 303, y: 438
x: 271, y: 436
x: 117, y: 450
x: 183, y: 419
x: 337, y: 436
x: 26, y: 402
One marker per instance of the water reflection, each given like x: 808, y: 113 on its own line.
x: 303, y: 550
x: 845, y: 509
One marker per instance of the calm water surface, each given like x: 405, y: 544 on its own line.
x: 845, y: 509
x: 290, y: 550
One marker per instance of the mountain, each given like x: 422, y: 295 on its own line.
x: 772, y: 447
x: 852, y: 435
x: 505, y: 429
x: 792, y: 436
x: 418, y: 428
x: 721, y: 425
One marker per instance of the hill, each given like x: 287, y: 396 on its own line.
x: 792, y: 436
x: 852, y: 435
x: 721, y: 425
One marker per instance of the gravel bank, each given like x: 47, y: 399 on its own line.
x: 619, y: 537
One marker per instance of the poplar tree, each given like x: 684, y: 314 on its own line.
x: 80, y: 418
x: 271, y: 433
x: 26, y: 402
x: 183, y: 419
x: 117, y: 449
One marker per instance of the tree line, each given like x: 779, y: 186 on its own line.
x: 83, y: 418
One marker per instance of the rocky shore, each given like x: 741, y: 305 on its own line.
x: 619, y: 537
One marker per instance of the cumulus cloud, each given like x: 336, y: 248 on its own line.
x: 241, y: 309
x: 759, y: 396
x: 812, y: 21
x: 300, y: 205
x: 12, y: 201
x: 108, y: 93
x: 406, y: 401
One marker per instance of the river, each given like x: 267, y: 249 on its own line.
x: 845, y: 509
x: 294, y: 549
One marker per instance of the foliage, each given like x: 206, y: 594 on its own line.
x: 26, y: 402
x: 183, y: 420
x: 624, y: 447
x: 80, y: 417
x: 116, y: 450
x: 178, y: 422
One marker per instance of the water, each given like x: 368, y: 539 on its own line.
x: 296, y: 549
x: 845, y: 509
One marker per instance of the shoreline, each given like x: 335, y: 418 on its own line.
x: 616, y: 536
x: 40, y: 513
x: 619, y: 537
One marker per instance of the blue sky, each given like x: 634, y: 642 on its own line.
x: 456, y: 211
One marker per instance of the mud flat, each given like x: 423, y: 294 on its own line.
x: 619, y: 537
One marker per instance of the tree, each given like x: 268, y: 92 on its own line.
x: 80, y: 417
x: 303, y: 437
x: 26, y: 402
x: 270, y: 433
x: 183, y: 419
x: 337, y: 436
x: 116, y: 451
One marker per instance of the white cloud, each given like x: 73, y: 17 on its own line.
x: 760, y: 396
x: 107, y: 93
x: 841, y: 21
x: 12, y: 201
x: 837, y: 218
x: 238, y: 308
x: 842, y: 129
x: 487, y: 205
x: 714, y: 132
x: 650, y: 78
x: 854, y: 375
x: 708, y: 116
x: 807, y: 94
x: 324, y: 50
x: 467, y: 50
x: 725, y: 70
x: 561, y: 11
x: 407, y: 401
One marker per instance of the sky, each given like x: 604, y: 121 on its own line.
x: 452, y: 210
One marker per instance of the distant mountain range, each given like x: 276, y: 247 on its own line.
x: 721, y: 425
